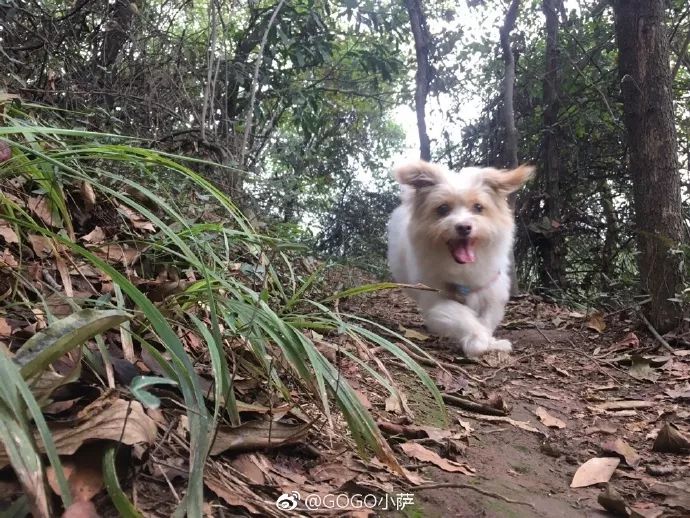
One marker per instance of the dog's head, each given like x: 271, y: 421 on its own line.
x: 465, y: 211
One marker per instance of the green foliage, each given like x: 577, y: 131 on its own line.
x: 264, y: 307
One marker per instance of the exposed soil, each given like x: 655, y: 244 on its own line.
x: 578, y: 386
x: 569, y: 364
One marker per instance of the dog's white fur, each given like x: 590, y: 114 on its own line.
x: 419, y: 233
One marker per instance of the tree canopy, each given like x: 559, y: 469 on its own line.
x: 296, y: 101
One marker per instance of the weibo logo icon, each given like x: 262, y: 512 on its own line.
x: 288, y: 502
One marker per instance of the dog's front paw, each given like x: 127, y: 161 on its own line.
x: 477, y: 345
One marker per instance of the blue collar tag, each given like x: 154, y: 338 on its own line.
x: 462, y: 290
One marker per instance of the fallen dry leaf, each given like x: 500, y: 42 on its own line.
x: 417, y: 451
x: 677, y: 393
x: 7, y: 259
x: 42, y: 246
x: 334, y: 473
x: 81, y: 510
x: 608, y: 386
x: 596, y: 322
x: 449, y: 382
x: 677, y: 495
x: 95, y: 236
x: 40, y: 206
x: 138, y: 221
x: 671, y: 440
x: 641, y: 369
x: 523, y: 425
x: 595, y: 471
x: 116, y: 253
x: 412, y: 334
x: 436, y: 434
x: 544, y: 395
x: 629, y: 341
x: 646, y: 510
x: 562, y: 372
x: 162, y: 290
x: 62, y: 269
x: 5, y: 328
x: 83, y: 471
x: 393, y: 404
x: 88, y: 195
x: 224, y: 481
x: 613, y: 502
x: 257, y: 434
x: 547, y: 419
x: 623, y: 449
x: 624, y: 405
x: 107, y: 418
x: 363, y: 399
x: 8, y: 233
x: 497, y: 401
x: 254, y: 466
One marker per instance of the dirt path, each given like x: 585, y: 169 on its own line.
x: 570, y: 367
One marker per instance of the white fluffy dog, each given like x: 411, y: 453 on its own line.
x: 453, y: 232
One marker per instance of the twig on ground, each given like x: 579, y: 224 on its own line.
x: 656, y: 334
x: 522, y: 425
x: 409, y: 432
x: 423, y: 360
x: 544, y: 335
x: 495, y: 430
x: 513, y: 364
x: 472, y: 406
x: 636, y: 305
x: 598, y: 361
x: 462, y: 485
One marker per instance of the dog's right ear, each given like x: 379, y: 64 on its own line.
x: 418, y: 174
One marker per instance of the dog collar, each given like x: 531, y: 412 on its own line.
x: 460, y: 291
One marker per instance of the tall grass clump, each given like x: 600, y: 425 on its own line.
x: 233, y: 287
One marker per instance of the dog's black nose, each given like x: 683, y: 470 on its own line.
x: 463, y: 230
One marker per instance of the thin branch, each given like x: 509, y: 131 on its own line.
x: 472, y: 406
x: 510, y: 157
x: 420, y: 32
x: 656, y: 335
x: 255, y: 83
x: 680, y: 53
x: 208, y: 87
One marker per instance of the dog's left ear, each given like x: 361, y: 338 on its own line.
x: 418, y: 174
x: 505, y: 181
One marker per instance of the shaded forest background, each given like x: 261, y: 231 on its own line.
x: 133, y: 292
x: 297, y: 101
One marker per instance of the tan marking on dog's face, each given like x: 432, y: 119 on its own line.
x: 474, y: 197
x: 439, y: 209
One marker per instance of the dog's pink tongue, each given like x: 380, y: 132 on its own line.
x: 463, y: 251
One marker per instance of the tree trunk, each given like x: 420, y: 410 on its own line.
x: 510, y: 141
x: 420, y: 31
x: 644, y: 69
x: 116, y: 33
x: 608, y: 253
x: 551, y: 243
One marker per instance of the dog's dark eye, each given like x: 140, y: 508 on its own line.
x: 478, y: 208
x: 443, y: 210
